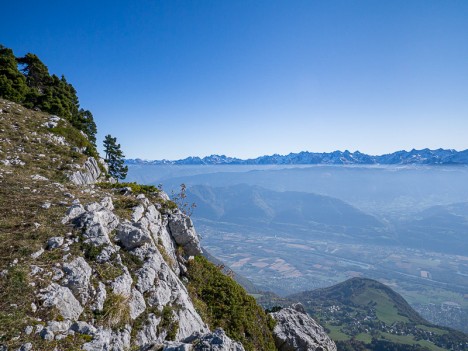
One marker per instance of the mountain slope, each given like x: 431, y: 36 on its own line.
x: 86, y: 265
x: 256, y: 206
x: 372, y: 313
x: 437, y: 226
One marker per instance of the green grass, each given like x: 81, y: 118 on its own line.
x: 436, y: 295
x: 384, y: 308
x: 136, y: 188
x: 364, y: 338
x: 430, y: 345
x: 336, y: 334
x: 20, y: 207
x: 432, y: 329
x: 409, y: 340
x: 168, y: 323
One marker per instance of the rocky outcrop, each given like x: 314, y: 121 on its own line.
x: 214, y: 341
x: 89, y: 175
x: 183, y: 232
x: 77, y: 277
x: 119, y: 285
x: 63, y: 299
x: 217, y: 341
x: 151, y: 238
x: 295, y: 330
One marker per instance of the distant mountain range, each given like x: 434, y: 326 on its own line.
x: 424, y: 156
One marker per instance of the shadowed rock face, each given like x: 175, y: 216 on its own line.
x: 295, y: 330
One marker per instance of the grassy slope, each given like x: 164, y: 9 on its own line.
x: 359, y: 296
x: 24, y: 225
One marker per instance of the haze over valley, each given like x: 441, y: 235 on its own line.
x: 290, y: 228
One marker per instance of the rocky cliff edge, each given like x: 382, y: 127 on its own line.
x: 87, y: 267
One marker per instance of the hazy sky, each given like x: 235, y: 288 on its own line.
x: 173, y: 78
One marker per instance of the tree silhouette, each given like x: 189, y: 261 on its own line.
x: 114, y: 158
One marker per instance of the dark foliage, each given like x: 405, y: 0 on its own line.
x: 224, y: 303
x: 12, y: 83
x: 114, y: 158
x: 26, y: 80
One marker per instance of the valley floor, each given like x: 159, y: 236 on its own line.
x: 433, y: 283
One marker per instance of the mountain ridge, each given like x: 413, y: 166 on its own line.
x: 424, y: 156
x: 231, y: 204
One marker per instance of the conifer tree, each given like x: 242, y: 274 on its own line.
x: 35, y: 71
x: 12, y: 83
x: 114, y: 158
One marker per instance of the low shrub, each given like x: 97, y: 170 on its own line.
x: 224, y: 303
x: 136, y: 188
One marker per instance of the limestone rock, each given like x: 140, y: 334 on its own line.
x: 26, y: 347
x: 83, y: 328
x: 38, y: 177
x: 77, y: 276
x: 138, y: 212
x: 137, y: 304
x: 96, y: 220
x: 156, y: 283
x: 62, y: 298
x: 131, y: 236
x: 176, y: 346
x: 100, y: 297
x: 58, y: 326
x: 47, y: 334
x: 73, y: 212
x: 183, y: 232
x: 90, y: 174
x: 28, y: 330
x: 122, y: 285
x: 54, y: 242
x: 107, y: 203
x: 106, y: 339
x: 295, y: 330
x: 217, y: 341
x: 37, y: 253
x: 55, y: 330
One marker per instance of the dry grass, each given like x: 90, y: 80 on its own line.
x: 25, y: 226
x: 168, y: 259
x: 116, y: 311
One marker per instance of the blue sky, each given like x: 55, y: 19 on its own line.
x: 174, y: 78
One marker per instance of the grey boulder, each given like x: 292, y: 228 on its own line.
x: 295, y: 330
x: 63, y: 299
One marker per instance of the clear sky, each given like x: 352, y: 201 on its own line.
x: 174, y: 78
